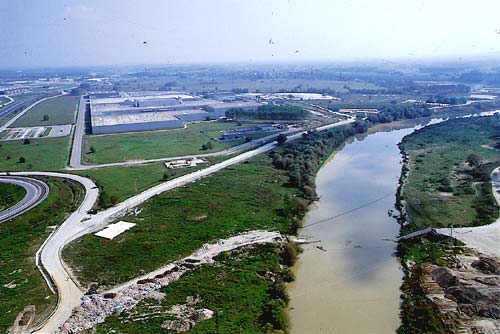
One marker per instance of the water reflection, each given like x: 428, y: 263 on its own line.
x: 352, y: 286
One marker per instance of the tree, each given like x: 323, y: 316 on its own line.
x: 22, y: 160
x: 281, y: 139
x: 92, y: 149
x: 165, y: 176
x: 26, y: 141
x: 45, y: 118
x: 207, y: 146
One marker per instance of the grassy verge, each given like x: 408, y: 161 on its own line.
x: 159, y: 144
x: 449, y: 166
x: 10, y: 194
x: 21, y: 283
x: 245, y: 288
x: 60, y: 110
x: 47, y: 154
x: 243, y: 197
x: 120, y: 183
x: 446, y: 177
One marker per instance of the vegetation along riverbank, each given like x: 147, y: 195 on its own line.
x: 449, y: 288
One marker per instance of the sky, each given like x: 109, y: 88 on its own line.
x: 54, y: 33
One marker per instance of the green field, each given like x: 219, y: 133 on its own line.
x: 46, y: 154
x: 172, y: 225
x: 246, y: 300
x: 21, y: 283
x: 120, y: 183
x: 442, y: 188
x: 10, y: 194
x: 159, y: 144
x: 259, y: 85
x: 60, y: 110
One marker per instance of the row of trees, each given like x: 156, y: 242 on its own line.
x: 301, y: 159
x: 271, y: 112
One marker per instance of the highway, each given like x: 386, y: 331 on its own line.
x: 76, y: 149
x: 80, y: 223
x: 12, y: 107
x: 19, y: 115
x: 36, y: 192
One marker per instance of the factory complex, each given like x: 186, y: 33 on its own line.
x: 142, y: 111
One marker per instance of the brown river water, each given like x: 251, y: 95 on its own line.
x: 351, y: 284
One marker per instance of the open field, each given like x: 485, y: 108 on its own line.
x: 171, y: 225
x: 235, y: 287
x: 21, y: 283
x: 120, y: 183
x: 443, y: 189
x: 159, y: 144
x: 61, y: 110
x: 264, y: 85
x: 46, y: 154
x: 10, y: 194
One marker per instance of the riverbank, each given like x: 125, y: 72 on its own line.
x: 445, y: 181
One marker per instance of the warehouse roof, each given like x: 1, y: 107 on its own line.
x: 133, y: 118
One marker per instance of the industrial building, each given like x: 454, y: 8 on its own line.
x: 143, y: 111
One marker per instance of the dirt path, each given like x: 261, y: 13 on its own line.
x: 485, y: 239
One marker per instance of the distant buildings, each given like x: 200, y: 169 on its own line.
x: 141, y: 111
x: 246, y: 132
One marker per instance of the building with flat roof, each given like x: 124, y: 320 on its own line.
x: 140, y: 111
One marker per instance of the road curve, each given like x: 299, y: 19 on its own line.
x: 50, y: 254
x: 19, y: 115
x: 80, y: 223
x: 36, y: 192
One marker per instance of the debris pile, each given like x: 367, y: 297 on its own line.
x: 186, y: 316
x: 467, y: 297
x: 96, y: 307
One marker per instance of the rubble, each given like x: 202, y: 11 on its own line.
x: 97, y: 306
x: 467, y: 297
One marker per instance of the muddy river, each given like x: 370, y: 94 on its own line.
x: 349, y: 281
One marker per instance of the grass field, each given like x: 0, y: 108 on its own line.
x: 21, y: 283
x: 60, y: 110
x: 264, y: 85
x: 46, y: 154
x: 120, y: 183
x: 10, y: 194
x: 442, y: 188
x: 158, y: 144
x: 171, y: 225
x: 235, y: 288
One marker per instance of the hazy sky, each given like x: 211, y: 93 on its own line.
x: 102, y: 32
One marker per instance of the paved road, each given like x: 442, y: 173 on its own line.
x: 4, y: 112
x: 76, y: 148
x: 19, y: 115
x: 36, y: 192
x: 485, y: 239
x: 80, y: 223
x: 75, y: 162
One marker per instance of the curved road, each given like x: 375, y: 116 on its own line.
x: 36, y: 192
x: 80, y: 223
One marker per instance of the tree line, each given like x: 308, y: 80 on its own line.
x: 269, y: 112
